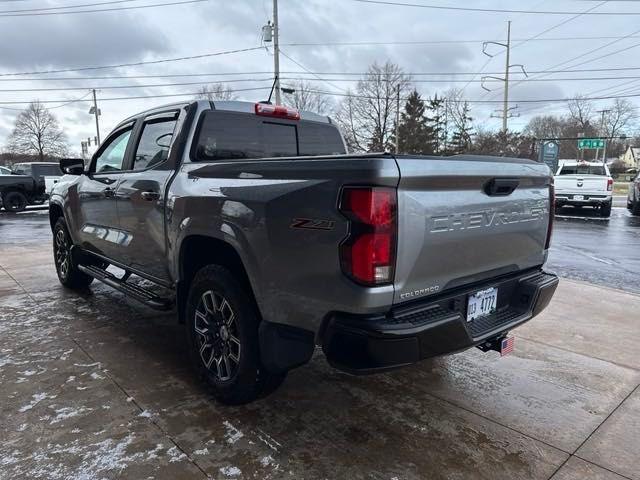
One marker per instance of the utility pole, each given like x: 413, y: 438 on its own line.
x: 505, y: 114
x: 96, y: 112
x: 398, y: 120
x: 603, y: 113
x: 505, y: 106
x: 276, y: 52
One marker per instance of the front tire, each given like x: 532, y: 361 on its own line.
x: 67, y: 271
x: 635, y: 208
x: 222, y: 333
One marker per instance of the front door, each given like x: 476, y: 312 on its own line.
x: 99, y: 228
x: 141, y: 196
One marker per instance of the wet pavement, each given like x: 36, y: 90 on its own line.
x: 597, y: 250
x: 93, y: 385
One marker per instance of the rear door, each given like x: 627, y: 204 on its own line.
x: 456, y: 228
x: 98, y: 226
x: 141, y: 195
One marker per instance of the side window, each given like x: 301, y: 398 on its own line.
x: 153, y: 147
x: 22, y: 169
x: 112, y: 157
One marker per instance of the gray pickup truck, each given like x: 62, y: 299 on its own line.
x: 269, y: 239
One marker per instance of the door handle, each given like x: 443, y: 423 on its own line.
x: 150, y: 196
x: 109, y: 192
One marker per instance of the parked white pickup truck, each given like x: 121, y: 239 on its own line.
x: 580, y: 184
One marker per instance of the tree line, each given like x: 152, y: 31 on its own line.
x: 384, y: 111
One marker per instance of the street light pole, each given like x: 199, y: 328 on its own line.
x: 276, y: 53
x: 96, y: 112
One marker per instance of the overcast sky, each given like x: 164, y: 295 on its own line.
x: 52, y: 42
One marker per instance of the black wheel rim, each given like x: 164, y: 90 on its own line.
x: 62, y: 257
x: 217, y: 337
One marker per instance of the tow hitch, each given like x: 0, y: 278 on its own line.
x: 502, y: 343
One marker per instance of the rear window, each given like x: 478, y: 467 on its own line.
x: 228, y: 135
x: 582, y: 170
x: 48, y: 170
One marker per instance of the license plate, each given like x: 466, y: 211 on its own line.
x: 482, y: 303
x: 578, y: 197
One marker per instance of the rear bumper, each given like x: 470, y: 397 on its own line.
x: 586, y: 200
x: 437, y: 326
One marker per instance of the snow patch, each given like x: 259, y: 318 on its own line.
x: 175, y: 455
x: 204, y: 451
x: 68, y: 412
x: 37, y: 398
x: 230, y: 471
x: 233, y: 434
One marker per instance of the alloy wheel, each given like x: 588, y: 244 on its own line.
x: 62, y: 255
x: 217, y: 335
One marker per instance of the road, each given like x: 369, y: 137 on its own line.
x: 601, y: 251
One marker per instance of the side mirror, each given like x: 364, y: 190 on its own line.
x: 164, y: 141
x: 72, y: 166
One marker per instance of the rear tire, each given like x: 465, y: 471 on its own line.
x: 67, y: 270
x: 635, y: 208
x: 605, y: 210
x: 222, y: 333
x: 14, y: 201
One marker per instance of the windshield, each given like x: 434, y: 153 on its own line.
x: 583, y: 170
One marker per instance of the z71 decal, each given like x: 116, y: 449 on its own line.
x: 312, y: 224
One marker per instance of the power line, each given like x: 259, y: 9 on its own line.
x: 134, y: 64
x: 491, y: 10
x: 41, y: 9
x: 108, y: 99
x: 318, y: 78
x: 154, y: 5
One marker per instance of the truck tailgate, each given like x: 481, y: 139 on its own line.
x: 453, y: 230
x: 581, y: 183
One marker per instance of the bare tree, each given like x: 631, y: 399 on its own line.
x: 618, y: 117
x: 367, y: 116
x: 36, y: 132
x: 581, y: 112
x: 216, y: 91
x: 305, y: 98
x: 545, y: 126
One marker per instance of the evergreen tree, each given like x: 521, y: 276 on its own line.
x: 415, y: 135
x: 461, y: 139
x: 437, y: 125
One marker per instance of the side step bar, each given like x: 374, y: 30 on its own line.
x: 136, y: 292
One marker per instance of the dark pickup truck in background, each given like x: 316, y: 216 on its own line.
x: 269, y: 239
x: 29, y: 183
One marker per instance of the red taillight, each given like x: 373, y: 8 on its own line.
x: 368, y: 254
x: 279, y: 111
x: 552, y: 212
x: 610, y: 184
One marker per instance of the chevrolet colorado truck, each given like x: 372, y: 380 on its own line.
x: 580, y: 184
x: 268, y: 239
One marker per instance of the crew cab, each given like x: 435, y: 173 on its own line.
x: 580, y: 184
x: 269, y: 239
